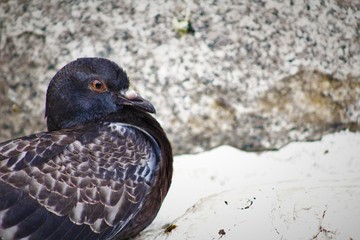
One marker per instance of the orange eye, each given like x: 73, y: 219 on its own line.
x: 98, y: 86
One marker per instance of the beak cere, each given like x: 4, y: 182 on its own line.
x: 130, y: 94
x: 131, y: 98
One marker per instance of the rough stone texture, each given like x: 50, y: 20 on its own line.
x: 255, y: 74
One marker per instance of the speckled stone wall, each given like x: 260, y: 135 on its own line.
x: 253, y: 74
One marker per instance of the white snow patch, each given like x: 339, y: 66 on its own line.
x: 305, y: 190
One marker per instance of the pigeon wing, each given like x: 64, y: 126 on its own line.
x: 94, y: 179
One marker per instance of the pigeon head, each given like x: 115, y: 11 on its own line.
x: 87, y: 90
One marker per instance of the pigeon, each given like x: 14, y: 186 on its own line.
x: 101, y: 171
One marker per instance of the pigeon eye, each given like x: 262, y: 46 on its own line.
x: 98, y: 86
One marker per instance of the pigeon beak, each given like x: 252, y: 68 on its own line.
x: 131, y: 98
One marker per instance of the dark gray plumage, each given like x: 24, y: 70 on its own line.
x: 102, y: 170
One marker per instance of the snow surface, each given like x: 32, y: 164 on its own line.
x: 306, y: 190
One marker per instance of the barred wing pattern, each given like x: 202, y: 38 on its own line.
x: 97, y: 178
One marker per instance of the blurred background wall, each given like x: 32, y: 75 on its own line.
x: 252, y: 74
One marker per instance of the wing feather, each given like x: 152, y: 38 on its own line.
x: 97, y: 177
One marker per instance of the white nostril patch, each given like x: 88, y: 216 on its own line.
x: 130, y: 94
